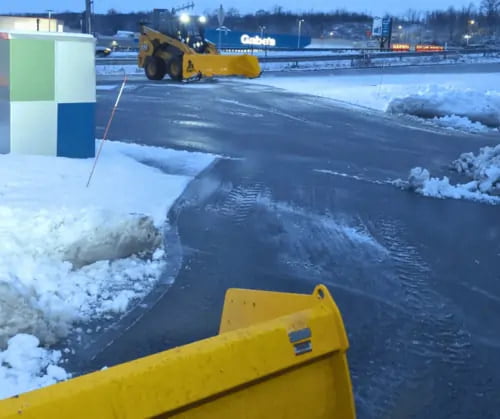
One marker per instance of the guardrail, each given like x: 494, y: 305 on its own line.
x: 252, y: 50
x: 338, y: 57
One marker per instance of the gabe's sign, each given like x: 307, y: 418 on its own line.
x: 257, y: 41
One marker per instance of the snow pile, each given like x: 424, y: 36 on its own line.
x: 456, y: 100
x: 460, y: 123
x: 24, y: 366
x: 70, y: 253
x: 112, y: 70
x: 421, y: 182
x: 483, y: 171
x: 441, y: 101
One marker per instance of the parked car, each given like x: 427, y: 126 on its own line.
x: 102, y: 51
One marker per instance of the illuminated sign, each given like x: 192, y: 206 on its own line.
x: 377, y: 27
x: 429, y: 48
x: 400, y: 47
x: 382, y: 28
x: 257, y: 41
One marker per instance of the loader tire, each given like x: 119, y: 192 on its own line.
x: 155, y: 68
x: 174, y: 68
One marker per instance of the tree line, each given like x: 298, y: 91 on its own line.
x: 450, y: 25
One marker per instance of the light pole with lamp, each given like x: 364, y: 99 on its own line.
x: 301, y: 21
x: 467, y: 37
x: 262, y: 33
x: 49, y: 12
x: 471, y: 23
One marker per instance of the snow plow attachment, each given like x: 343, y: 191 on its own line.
x: 210, y: 65
x: 277, y: 356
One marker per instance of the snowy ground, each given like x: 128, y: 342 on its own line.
x: 462, y: 100
x: 70, y: 253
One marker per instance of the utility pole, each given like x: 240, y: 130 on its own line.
x: 89, y: 14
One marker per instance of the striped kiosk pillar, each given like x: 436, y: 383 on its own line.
x: 47, y: 94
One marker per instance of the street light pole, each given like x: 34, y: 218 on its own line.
x: 400, y: 28
x: 49, y: 11
x: 471, y: 22
x: 262, y: 29
x: 300, y: 31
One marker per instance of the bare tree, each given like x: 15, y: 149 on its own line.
x: 491, y: 10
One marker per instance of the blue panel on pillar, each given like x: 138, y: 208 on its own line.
x: 76, y: 130
x: 4, y: 127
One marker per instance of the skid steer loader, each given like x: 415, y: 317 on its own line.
x: 277, y: 355
x: 181, y: 51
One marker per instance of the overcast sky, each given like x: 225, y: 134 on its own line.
x: 395, y: 7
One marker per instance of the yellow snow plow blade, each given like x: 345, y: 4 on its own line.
x: 277, y: 356
x: 210, y: 65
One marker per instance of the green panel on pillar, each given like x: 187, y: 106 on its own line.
x: 32, y: 70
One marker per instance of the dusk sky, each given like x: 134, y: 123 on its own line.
x: 395, y: 7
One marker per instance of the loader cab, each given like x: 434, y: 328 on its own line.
x: 183, y: 27
x: 191, y: 30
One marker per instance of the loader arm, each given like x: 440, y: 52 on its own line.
x: 151, y: 42
x: 278, y: 355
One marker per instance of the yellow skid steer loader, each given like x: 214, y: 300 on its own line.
x: 277, y: 355
x: 185, y: 54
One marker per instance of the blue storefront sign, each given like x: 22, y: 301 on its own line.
x: 237, y: 39
x: 386, y: 27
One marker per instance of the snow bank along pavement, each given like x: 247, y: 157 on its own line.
x: 482, y: 171
x: 467, y: 101
x: 70, y: 253
x: 105, y: 66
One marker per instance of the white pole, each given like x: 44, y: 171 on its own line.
x: 300, y: 30
x: 50, y: 17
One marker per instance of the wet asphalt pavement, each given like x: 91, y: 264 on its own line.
x: 302, y: 195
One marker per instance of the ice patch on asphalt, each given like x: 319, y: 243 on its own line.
x: 482, y: 171
x: 70, y: 253
x: 342, y: 231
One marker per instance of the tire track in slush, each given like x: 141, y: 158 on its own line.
x: 419, y: 338
x: 422, y: 348
x: 241, y: 200
x: 437, y: 344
